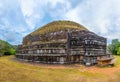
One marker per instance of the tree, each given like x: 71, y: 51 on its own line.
x: 114, y: 41
x: 114, y: 46
x: 118, y: 51
x: 6, y: 48
x: 109, y: 48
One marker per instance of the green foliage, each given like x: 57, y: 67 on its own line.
x: 118, y: 51
x: 109, y: 48
x: 6, y: 48
x: 114, y: 47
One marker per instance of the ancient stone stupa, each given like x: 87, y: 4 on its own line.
x: 63, y: 42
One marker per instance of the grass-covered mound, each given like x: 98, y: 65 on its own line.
x: 57, y: 26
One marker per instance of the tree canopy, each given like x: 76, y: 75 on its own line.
x: 6, y: 48
x: 114, y: 48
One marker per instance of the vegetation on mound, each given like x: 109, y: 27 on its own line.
x: 58, y: 26
x: 6, y: 48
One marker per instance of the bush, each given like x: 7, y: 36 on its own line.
x: 7, y: 53
x: 10, y: 52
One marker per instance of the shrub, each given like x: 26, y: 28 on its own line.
x: 10, y: 52
x: 7, y: 53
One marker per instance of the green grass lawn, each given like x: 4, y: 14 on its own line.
x: 15, y: 71
x: 117, y: 60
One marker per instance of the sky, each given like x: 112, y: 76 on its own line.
x: 21, y: 17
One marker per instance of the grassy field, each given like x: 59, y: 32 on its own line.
x: 15, y: 71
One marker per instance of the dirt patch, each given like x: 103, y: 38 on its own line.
x: 109, y: 71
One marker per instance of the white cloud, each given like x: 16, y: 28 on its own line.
x: 27, y: 7
x: 59, y: 9
x: 34, y: 10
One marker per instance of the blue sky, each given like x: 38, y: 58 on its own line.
x: 20, y: 17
